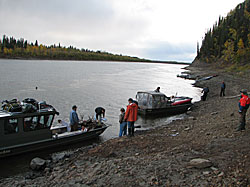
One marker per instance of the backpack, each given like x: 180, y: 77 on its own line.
x: 12, y: 106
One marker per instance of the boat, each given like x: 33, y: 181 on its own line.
x: 156, y: 103
x: 29, y: 130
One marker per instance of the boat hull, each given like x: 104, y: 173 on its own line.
x: 51, y: 142
x: 169, y: 110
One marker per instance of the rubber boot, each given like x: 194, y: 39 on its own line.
x: 132, y: 131
x: 129, y: 132
x: 241, y: 127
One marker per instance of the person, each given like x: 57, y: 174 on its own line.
x: 205, y: 92
x: 131, y: 116
x: 99, y: 113
x: 65, y: 124
x: 222, y: 89
x: 123, y: 123
x: 74, y: 120
x: 157, y: 89
x: 243, y: 106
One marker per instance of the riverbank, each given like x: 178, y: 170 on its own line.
x: 60, y: 59
x: 162, y: 156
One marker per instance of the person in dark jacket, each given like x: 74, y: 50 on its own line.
x: 100, y: 112
x: 222, y: 89
x: 205, y: 92
x: 123, y: 123
x: 157, y: 89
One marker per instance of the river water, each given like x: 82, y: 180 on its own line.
x: 87, y: 84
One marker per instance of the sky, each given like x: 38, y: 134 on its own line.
x: 164, y: 30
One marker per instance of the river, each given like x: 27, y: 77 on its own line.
x: 87, y: 84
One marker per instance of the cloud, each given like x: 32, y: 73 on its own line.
x: 162, y: 30
x: 183, y: 52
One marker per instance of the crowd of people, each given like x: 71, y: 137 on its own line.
x: 128, y: 117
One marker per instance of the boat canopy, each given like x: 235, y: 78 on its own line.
x: 151, y: 99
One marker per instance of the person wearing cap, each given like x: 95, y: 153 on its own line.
x: 222, y: 89
x: 131, y: 116
x: 243, y: 106
x: 74, y: 120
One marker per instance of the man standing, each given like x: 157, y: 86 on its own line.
x: 222, y: 89
x: 131, y: 116
x: 243, y: 106
x: 74, y: 120
x: 205, y: 92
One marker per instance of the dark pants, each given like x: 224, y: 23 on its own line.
x: 131, y: 128
x: 74, y: 127
x: 242, y: 120
x: 98, y: 116
x: 204, y: 97
x: 222, y: 92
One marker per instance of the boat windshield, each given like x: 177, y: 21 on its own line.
x: 150, y: 101
x: 142, y: 99
x: 11, y: 126
x: 159, y: 101
x: 37, y: 122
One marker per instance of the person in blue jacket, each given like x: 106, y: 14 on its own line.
x: 222, y: 89
x: 73, y: 118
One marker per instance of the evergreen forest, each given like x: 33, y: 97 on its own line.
x: 228, y: 42
x: 21, y: 49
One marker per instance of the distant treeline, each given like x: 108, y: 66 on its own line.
x: 20, y: 48
x: 228, y: 42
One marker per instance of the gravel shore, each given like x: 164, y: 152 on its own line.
x: 204, y: 149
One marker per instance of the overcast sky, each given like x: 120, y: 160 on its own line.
x: 152, y: 29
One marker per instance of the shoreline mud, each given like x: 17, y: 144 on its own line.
x: 204, y: 149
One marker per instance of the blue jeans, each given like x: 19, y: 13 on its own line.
x: 123, y: 129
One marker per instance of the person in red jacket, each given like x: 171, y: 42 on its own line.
x: 243, y: 106
x: 131, y: 116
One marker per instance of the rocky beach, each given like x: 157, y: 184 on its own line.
x: 204, y: 149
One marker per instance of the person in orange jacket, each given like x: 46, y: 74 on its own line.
x: 243, y: 106
x: 131, y: 116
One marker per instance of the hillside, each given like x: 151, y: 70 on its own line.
x: 228, y: 42
x: 21, y: 49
